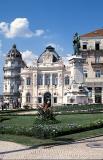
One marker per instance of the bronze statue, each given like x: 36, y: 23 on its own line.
x: 76, y: 44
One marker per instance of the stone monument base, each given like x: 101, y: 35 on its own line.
x: 78, y: 92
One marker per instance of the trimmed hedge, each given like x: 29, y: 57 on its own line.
x: 49, y: 130
x: 79, y: 108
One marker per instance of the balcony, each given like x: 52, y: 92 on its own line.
x: 12, y: 76
x: 96, y: 64
x: 11, y: 68
x: 94, y: 82
x: 8, y: 94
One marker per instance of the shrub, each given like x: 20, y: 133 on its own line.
x: 45, y: 112
x: 46, y: 131
x: 39, y: 120
x: 79, y: 108
x: 26, y: 107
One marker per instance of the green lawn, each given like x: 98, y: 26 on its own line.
x: 82, y: 119
x: 79, y: 119
x: 19, y: 121
x: 65, y: 120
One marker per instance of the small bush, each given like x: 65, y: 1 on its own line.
x: 46, y: 131
x: 26, y: 107
x: 39, y: 120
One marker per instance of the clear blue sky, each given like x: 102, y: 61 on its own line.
x: 49, y: 21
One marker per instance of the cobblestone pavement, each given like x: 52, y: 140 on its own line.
x: 85, y: 149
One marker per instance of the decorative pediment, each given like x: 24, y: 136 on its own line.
x: 48, y: 58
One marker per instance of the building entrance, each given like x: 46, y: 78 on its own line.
x: 47, y: 98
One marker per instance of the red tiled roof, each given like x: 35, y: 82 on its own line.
x: 96, y: 33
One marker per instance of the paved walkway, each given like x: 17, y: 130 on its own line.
x: 85, y: 149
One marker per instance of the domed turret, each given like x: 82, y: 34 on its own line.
x: 50, y: 51
x: 14, y: 52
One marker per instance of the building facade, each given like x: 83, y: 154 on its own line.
x: 50, y: 79
x: 12, y: 70
x: 45, y: 80
x: 92, y: 51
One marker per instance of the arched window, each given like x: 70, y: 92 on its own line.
x: 28, y: 97
x: 67, y: 80
x: 28, y: 81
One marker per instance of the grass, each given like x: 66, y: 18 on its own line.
x: 19, y: 121
x: 82, y: 119
x: 31, y: 141
x: 76, y: 119
x: 28, y: 121
x: 82, y: 135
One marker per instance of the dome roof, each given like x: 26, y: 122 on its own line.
x: 50, y: 50
x: 14, y: 52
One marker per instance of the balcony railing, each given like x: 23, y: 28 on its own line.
x: 12, y: 76
x: 94, y: 84
x: 94, y: 63
x: 11, y: 68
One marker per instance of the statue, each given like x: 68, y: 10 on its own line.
x: 76, y: 44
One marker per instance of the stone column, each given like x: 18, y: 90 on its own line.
x: 43, y: 79
x: 51, y: 79
x: 102, y: 95
x: 93, y: 94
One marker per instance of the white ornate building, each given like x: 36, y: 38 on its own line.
x: 44, y: 81
x: 49, y: 79
x: 12, y: 69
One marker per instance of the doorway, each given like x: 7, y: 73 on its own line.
x: 47, y: 97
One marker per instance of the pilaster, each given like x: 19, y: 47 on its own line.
x: 93, y: 94
x: 102, y: 95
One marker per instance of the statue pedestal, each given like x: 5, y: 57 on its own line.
x: 78, y: 92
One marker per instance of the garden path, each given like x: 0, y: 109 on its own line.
x: 85, y: 149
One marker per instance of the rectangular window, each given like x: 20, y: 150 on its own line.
x: 5, y: 86
x: 97, y: 73
x: 90, y: 91
x: 85, y: 74
x: 84, y: 46
x: 28, y: 81
x: 47, y: 79
x: 40, y: 79
x: 55, y: 99
x: 66, y: 80
x: 39, y: 99
x: 28, y: 98
x: 97, y: 59
x: 55, y: 79
x: 97, y: 46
